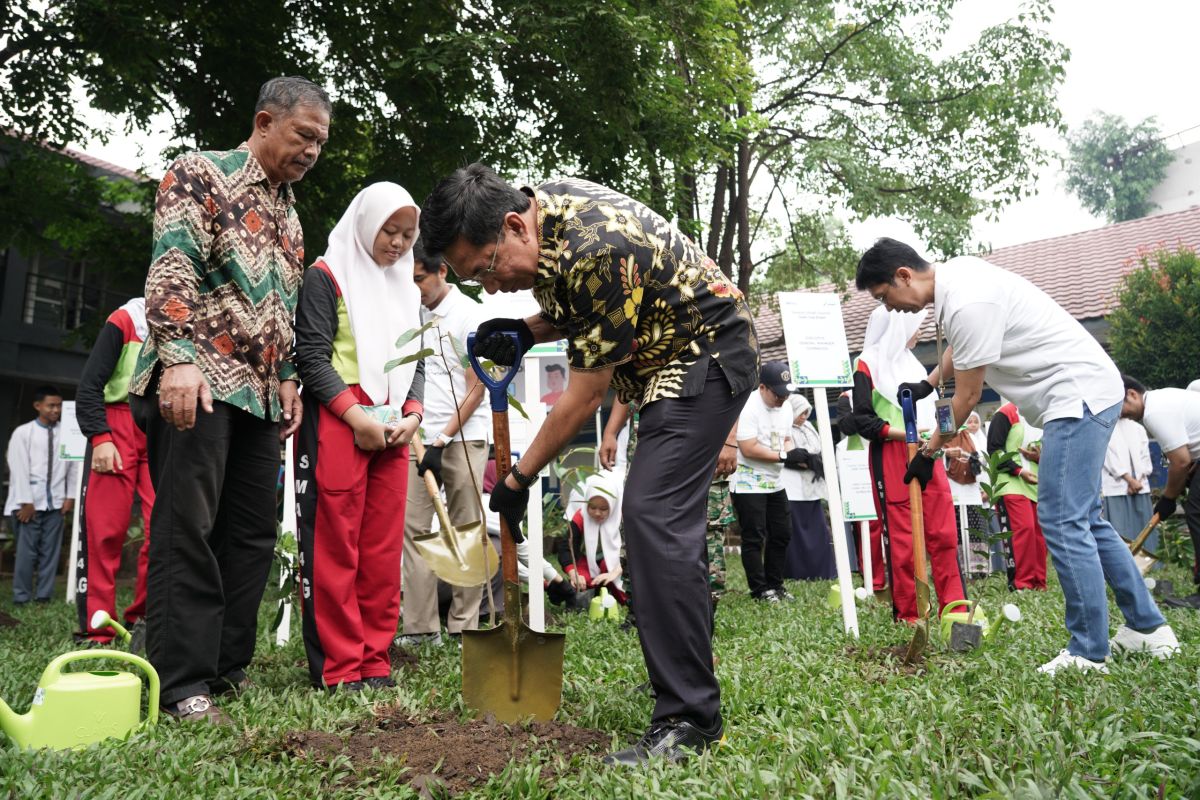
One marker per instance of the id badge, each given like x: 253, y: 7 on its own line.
x: 945, y: 417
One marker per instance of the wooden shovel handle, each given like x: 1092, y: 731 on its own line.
x: 436, y: 496
x: 920, y: 572
x: 1137, y: 544
x: 508, y: 547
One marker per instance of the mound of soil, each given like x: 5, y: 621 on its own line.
x: 8, y: 621
x: 890, y: 658
x: 445, y: 756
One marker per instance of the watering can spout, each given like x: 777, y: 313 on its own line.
x: 14, y: 725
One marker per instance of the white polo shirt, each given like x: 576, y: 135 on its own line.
x: 1172, y: 417
x: 460, y: 315
x: 1036, y: 354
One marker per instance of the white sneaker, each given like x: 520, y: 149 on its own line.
x: 411, y: 640
x: 1065, y: 660
x: 1160, y: 644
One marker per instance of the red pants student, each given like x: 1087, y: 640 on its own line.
x: 941, y: 531
x: 106, y: 505
x: 350, y: 514
x: 1026, y: 549
x: 878, y: 577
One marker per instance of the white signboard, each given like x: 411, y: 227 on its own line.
x: 858, y: 501
x: 73, y: 443
x: 816, y: 339
x: 966, y: 494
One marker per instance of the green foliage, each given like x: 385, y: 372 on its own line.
x: 808, y: 713
x: 1155, y: 334
x: 1113, y: 166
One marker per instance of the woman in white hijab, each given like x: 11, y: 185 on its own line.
x: 361, y: 409
x: 810, y: 553
x: 590, y: 553
x: 886, y: 362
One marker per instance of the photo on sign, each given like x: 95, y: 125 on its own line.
x: 553, y: 376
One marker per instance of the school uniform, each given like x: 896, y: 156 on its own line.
x: 1015, y: 500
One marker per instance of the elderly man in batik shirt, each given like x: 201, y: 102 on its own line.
x: 643, y: 310
x: 212, y: 384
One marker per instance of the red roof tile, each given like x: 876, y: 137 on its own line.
x: 1081, y: 271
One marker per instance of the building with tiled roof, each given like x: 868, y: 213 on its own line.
x: 1081, y: 271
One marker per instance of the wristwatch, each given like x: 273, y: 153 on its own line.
x: 441, y: 440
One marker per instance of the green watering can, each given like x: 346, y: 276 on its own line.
x: 75, y: 709
x: 604, y: 606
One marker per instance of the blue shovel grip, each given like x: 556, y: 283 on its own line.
x: 497, y: 389
x: 908, y: 408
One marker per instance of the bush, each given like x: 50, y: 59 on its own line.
x: 1155, y: 333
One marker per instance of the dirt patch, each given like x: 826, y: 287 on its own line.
x: 8, y: 621
x: 443, y: 755
x: 403, y: 658
x: 890, y: 659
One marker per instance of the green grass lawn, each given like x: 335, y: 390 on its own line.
x: 804, y: 717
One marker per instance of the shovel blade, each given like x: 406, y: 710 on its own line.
x: 513, y: 678
x: 464, y: 561
x: 920, y: 639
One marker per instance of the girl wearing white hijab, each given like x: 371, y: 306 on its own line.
x: 352, y: 450
x: 810, y: 553
x: 886, y: 362
x: 590, y: 553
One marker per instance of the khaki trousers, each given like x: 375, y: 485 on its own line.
x: 419, y: 610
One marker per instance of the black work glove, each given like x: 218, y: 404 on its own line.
x: 510, y: 504
x: 796, y: 458
x: 975, y: 464
x: 1165, y: 508
x: 920, y: 468
x: 919, y: 390
x: 817, y: 465
x: 433, y: 462
x: 492, y: 344
x: 560, y: 592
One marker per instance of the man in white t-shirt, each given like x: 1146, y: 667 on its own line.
x: 456, y: 453
x: 1172, y: 417
x: 756, y: 487
x: 1001, y: 328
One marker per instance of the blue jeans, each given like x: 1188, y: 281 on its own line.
x: 1086, y: 549
x: 38, y: 544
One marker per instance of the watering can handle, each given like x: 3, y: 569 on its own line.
x: 497, y: 388
x: 908, y: 408
x: 55, y: 668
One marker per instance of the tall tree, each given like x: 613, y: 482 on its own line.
x: 1155, y: 332
x: 1112, y: 166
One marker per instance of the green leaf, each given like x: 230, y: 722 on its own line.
x: 409, y: 335
x: 417, y: 356
x: 516, y: 404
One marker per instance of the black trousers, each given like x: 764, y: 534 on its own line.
x: 1191, y: 513
x: 214, y: 537
x: 766, y: 525
x: 665, y: 516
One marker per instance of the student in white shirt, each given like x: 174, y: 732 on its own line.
x: 1172, y: 417
x: 1125, y: 482
x: 457, y: 453
x: 1000, y: 327
x: 41, y: 494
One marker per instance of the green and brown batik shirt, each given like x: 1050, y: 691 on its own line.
x: 632, y: 292
x: 226, y: 267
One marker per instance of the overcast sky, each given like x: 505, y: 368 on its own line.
x: 1127, y: 58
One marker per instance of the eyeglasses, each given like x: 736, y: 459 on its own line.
x: 477, y: 278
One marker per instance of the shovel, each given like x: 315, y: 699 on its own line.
x: 456, y: 555
x: 920, y: 575
x: 1144, y: 558
x: 511, y: 671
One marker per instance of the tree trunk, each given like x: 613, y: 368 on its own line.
x: 745, y: 262
x: 715, y: 228
x: 725, y: 261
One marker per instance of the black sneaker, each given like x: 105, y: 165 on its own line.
x: 672, y: 739
x: 345, y: 686
x: 379, y: 682
x: 783, y: 594
x: 769, y: 596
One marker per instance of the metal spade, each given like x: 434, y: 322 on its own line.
x: 511, y: 671
x: 457, y: 555
x: 920, y: 574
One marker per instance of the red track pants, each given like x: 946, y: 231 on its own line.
x: 106, y: 506
x: 350, y: 515
x: 941, y: 530
x: 1027, y: 547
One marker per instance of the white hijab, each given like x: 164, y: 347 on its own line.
x: 604, y: 537
x: 382, y: 302
x: 885, y: 350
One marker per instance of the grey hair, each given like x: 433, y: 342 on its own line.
x: 285, y: 93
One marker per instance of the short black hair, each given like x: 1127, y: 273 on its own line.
x: 556, y: 368
x: 1133, y: 383
x: 429, y: 264
x: 282, y: 95
x: 42, y: 392
x: 879, y: 264
x: 469, y: 204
